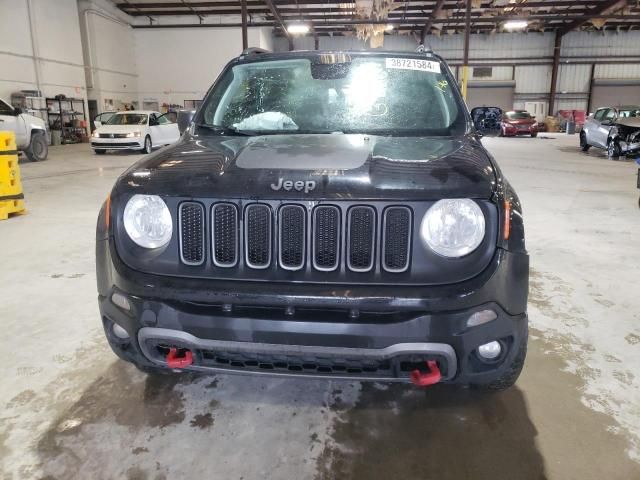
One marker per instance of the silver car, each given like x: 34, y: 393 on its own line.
x: 597, y: 130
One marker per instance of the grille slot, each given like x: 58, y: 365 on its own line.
x: 326, y: 238
x: 225, y: 234
x: 361, y: 241
x: 396, y: 239
x: 113, y: 135
x: 191, y: 224
x: 258, y: 242
x: 292, y: 237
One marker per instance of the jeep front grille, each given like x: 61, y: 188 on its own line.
x: 290, y: 236
x: 258, y: 242
x: 191, y: 224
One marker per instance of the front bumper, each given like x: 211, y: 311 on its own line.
x: 629, y: 148
x: 511, y: 130
x: 357, y: 332
x: 117, y: 143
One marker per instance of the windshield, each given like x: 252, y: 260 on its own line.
x: 517, y: 115
x: 380, y: 95
x: 128, y: 119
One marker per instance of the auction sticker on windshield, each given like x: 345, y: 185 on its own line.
x: 413, y: 64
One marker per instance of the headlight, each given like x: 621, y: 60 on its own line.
x: 95, y: 134
x: 133, y: 134
x: 147, y: 221
x: 453, y: 227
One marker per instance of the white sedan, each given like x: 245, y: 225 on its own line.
x: 135, y: 130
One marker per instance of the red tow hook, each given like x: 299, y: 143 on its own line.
x: 174, y: 361
x: 422, y: 379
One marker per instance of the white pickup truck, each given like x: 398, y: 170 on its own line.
x: 31, y: 135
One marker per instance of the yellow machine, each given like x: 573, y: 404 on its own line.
x: 11, y: 196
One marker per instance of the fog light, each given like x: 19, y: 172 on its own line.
x: 121, y: 301
x: 483, y: 316
x: 490, y: 351
x: 119, y: 332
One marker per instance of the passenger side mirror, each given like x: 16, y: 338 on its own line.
x: 486, y: 120
x: 17, y: 111
x: 153, y: 122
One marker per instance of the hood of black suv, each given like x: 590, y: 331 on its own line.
x: 316, y: 166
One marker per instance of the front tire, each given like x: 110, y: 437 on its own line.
x: 534, y: 134
x: 99, y: 151
x: 147, y: 145
x: 613, y: 149
x: 38, y: 149
x: 584, y: 146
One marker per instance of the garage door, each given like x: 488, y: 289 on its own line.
x: 609, y: 94
x: 493, y: 95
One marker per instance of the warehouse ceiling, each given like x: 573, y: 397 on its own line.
x: 415, y: 17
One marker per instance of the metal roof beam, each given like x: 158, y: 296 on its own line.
x: 432, y: 16
x: 276, y: 15
x: 597, y: 12
x: 279, y: 3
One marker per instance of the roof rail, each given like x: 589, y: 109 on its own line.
x: 254, y: 51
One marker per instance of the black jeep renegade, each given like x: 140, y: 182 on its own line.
x: 327, y: 214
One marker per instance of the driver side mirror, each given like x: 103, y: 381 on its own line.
x: 17, y: 111
x: 153, y: 122
x: 185, y: 117
x: 607, y: 122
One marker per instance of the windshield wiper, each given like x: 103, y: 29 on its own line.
x: 224, y: 130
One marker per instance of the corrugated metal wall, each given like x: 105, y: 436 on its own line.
x: 510, y: 46
x: 607, y: 44
x: 502, y: 51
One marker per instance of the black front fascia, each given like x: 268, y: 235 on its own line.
x: 505, y: 281
x: 426, y: 267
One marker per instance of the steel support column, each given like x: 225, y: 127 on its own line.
x: 554, y: 72
x: 245, y: 39
x: 465, y: 61
x: 593, y: 70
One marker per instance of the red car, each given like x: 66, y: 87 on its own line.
x: 518, y: 122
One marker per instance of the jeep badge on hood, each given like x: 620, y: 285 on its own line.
x: 299, y: 185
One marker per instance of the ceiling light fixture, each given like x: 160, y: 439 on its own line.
x: 298, y: 28
x: 515, y: 25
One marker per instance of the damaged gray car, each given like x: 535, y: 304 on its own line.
x: 616, y: 129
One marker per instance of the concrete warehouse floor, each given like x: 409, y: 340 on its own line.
x: 70, y: 409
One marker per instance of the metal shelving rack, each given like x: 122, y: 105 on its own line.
x: 66, y: 115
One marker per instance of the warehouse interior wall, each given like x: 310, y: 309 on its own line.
x: 41, y: 48
x: 88, y: 49
x: 109, y: 55
x: 177, y: 64
x: 525, y: 58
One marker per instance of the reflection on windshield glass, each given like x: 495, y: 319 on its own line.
x: 363, y: 95
x: 128, y: 119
